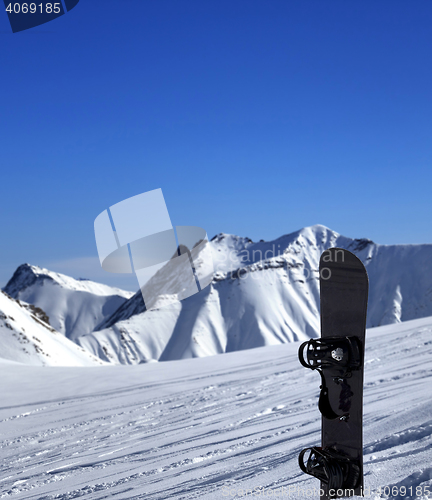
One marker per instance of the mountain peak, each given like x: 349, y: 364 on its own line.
x: 73, y: 306
x: 230, y: 237
x: 27, y: 275
x: 24, y: 276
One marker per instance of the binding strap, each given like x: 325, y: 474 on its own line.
x: 324, y: 402
x: 331, y: 467
x: 332, y: 351
x: 320, y: 465
x: 343, y: 352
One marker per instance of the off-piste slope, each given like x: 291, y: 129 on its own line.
x: 211, y: 428
x: 27, y: 338
x: 74, y: 307
x: 263, y: 293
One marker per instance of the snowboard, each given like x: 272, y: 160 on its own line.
x: 339, y: 358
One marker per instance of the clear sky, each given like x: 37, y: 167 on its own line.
x: 255, y: 117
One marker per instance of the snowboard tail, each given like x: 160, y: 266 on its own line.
x: 338, y: 356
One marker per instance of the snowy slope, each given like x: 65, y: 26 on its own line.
x: 26, y: 338
x: 263, y: 293
x: 74, y: 307
x: 211, y: 428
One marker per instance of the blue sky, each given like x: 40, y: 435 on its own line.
x: 254, y: 117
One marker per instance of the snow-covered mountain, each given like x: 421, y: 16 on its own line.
x: 262, y: 294
x: 74, y: 307
x: 228, y: 426
x: 27, y: 338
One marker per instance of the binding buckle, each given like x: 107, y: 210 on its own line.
x: 333, y: 468
x: 331, y: 351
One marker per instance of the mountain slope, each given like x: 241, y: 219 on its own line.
x: 262, y: 294
x: 27, y: 338
x: 74, y: 307
x: 210, y: 428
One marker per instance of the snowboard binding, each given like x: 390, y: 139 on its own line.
x: 335, y: 356
x: 334, y: 469
x: 332, y: 351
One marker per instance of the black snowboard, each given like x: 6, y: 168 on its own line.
x: 339, y: 357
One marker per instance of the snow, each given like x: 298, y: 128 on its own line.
x: 263, y: 293
x: 25, y: 338
x: 208, y: 427
x: 74, y: 307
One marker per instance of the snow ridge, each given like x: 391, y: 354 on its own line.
x: 263, y: 293
x: 74, y: 307
x: 28, y: 338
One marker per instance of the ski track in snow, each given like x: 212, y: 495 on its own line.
x: 188, y: 429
